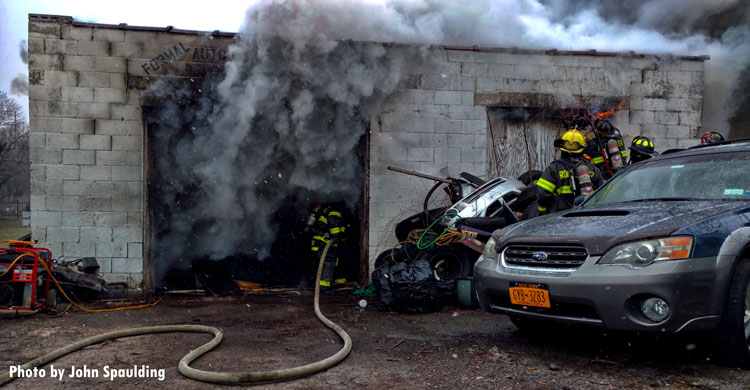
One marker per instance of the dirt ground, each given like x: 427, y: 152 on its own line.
x: 451, y: 349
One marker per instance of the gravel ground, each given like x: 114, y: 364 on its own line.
x: 453, y: 348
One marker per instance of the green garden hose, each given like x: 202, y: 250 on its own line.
x: 422, y: 246
x: 211, y: 376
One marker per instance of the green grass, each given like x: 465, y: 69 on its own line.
x: 11, y: 229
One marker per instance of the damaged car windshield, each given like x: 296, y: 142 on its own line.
x: 722, y: 176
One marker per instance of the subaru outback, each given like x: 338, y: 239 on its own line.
x: 664, y: 246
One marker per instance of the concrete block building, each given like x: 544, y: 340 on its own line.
x: 89, y: 138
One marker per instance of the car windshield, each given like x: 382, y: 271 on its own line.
x: 718, y: 176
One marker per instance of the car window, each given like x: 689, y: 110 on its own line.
x: 720, y: 176
x: 493, y: 209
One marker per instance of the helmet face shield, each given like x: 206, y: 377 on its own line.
x: 572, y: 147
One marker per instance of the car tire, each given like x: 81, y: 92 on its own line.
x: 732, y: 335
x: 416, y: 221
x: 477, y: 181
x: 487, y: 224
x: 448, y: 264
x: 529, y: 176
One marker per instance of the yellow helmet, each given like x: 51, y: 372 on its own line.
x: 572, y: 141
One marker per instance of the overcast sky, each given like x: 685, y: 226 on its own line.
x: 224, y: 15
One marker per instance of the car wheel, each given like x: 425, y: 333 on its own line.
x: 733, y: 333
x: 448, y: 264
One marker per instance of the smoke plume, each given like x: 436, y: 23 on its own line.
x: 19, y: 86
x: 300, y: 85
x: 292, y: 105
x: 23, y: 51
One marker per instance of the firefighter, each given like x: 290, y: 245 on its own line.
x: 568, y: 176
x: 642, y: 148
x: 327, y: 223
x: 605, y: 142
x: 711, y: 137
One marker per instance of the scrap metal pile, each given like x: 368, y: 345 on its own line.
x: 30, y: 280
x: 437, y: 247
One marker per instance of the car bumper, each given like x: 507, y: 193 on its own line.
x: 610, y: 296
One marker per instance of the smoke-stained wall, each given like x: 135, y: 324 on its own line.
x: 87, y: 133
x: 88, y: 88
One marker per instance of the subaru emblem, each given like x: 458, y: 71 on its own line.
x: 539, y: 256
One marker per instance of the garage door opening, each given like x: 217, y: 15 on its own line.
x: 289, y: 263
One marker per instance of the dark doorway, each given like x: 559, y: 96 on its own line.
x: 291, y: 262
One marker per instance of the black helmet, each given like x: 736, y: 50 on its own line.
x: 576, y: 123
x: 643, y: 145
x: 604, y: 126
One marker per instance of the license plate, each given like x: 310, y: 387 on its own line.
x: 529, y: 294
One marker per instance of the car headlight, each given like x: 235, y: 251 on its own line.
x: 489, y: 249
x: 643, y: 253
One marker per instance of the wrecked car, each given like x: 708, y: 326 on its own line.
x: 664, y: 246
x: 448, y: 240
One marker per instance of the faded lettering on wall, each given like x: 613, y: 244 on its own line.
x: 209, y: 54
x: 177, y: 51
x: 165, y: 58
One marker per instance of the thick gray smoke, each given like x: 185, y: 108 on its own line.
x: 299, y: 88
x: 718, y: 28
x: 19, y: 86
x: 285, y: 120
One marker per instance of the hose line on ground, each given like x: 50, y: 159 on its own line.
x: 210, y: 376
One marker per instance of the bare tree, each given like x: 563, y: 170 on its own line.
x: 14, y: 149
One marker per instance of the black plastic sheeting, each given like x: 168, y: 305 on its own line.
x: 407, y: 287
x: 381, y: 279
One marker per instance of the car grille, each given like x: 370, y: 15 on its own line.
x: 545, y: 256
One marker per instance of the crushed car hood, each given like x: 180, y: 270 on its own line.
x: 600, y: 227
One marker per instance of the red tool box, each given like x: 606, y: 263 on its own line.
x: 24, y: 281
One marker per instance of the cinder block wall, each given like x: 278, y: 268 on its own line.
x: 437, y: 123
x: 87, y: 133
x: 86, y: 147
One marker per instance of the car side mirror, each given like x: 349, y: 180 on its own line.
x: 580, y: 199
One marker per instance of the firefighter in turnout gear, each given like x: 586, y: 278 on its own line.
x: 642, y: 148
x: 568, y: 176
x: 327, y: 223
x: 606, y: 148
x: 711, y: 137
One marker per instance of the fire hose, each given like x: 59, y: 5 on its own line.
x: 213, y: 376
